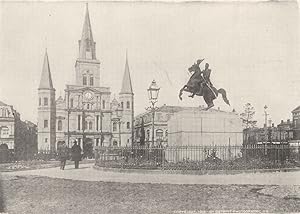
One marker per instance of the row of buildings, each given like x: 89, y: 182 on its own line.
x: 285, y: 131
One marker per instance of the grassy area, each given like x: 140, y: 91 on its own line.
x: 47, y: 195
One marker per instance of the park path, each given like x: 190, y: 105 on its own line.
x: 88, y: 173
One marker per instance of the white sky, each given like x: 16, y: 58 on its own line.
x: 252, y: 48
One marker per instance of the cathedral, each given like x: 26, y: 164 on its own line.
x: 86, y: 113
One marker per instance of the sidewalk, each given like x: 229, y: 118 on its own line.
x: 88, y: 173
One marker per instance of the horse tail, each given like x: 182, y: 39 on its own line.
x: 223, y: 92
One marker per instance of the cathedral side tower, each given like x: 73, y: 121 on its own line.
x: 126, y: 99
x: 46, y: 109
x: 87, y: 66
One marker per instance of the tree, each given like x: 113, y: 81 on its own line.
x: 247, y: 116
x: 142, y: 139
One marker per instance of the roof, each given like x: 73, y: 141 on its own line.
x: 3, y: 104
x: 46, y: 80
x: 126, y: 83
x: 296, y: 109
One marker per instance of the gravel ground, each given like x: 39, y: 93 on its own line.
x: 30, y: 194
x: 35, y: 164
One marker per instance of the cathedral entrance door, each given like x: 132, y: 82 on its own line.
x: 88, y: 148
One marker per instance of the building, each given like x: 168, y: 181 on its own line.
x: 280, y: 134
x: 176, y: 125
x: 19, y: 137
x: 162, y: 116
x: 85, y: 113
x: 296, y: 123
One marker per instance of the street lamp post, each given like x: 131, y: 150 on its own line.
x: 119, y: 116
x: 153, y: 92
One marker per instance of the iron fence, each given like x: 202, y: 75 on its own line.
x: 199, y: 157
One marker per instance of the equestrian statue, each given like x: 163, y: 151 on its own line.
x: 199, y: 84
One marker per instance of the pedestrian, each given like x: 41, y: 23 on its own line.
x: 76, y: 154
x: 63, y: 154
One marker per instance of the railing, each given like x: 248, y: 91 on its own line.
x: 199, y: 157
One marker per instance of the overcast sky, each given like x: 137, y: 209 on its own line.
x: 252, y: 48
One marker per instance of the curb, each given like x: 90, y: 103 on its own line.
x: 193, y: 172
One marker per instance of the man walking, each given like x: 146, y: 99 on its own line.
x: 76, y: 154
x: 63, y: 153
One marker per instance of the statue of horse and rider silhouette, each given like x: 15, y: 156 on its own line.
x: 199, y: 84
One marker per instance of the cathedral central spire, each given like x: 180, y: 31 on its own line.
x: 87, y: 46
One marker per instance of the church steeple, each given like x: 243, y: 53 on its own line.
x: 126, y: 84
x: 46, y: 80
x: 87, y: 49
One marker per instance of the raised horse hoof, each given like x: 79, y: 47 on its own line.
x: 210, y: 106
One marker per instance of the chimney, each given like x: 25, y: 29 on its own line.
x: 272, y: 125
x: 281, y: 121
x: 288, y: 121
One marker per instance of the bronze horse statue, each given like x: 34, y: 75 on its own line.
x: 208, y: 91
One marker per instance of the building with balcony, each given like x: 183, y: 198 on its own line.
x: 16, y: 136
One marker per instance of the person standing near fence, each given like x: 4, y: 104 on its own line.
x: 76, y: 154
x: 63, y: 153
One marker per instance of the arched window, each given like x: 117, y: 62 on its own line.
x: 122, y: 105
x: 3, y: 112
x: 84, y: 80
x: 71, y: 102
x: 90, y: 125
x: 128, y: 104
x: 59, y: 125
x: 148, y: 134
x: 40, y: 101
x: 91, y: 80
x: 115, y: 143
x: 45, y: 101
x: 103, y: 104
x: 4, y: 132
x: 45, y: 123
x: 114, y: 126
x: 159, y: 133
x: 128, y: 125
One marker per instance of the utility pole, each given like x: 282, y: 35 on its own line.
x: 266, y: 115
x: 266, y: 123
x: 68, y: 111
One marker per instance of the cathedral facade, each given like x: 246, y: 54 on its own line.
x: 86, y: 113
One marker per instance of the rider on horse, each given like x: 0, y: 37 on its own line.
x: 199, y: 84
x: 200, y: 78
